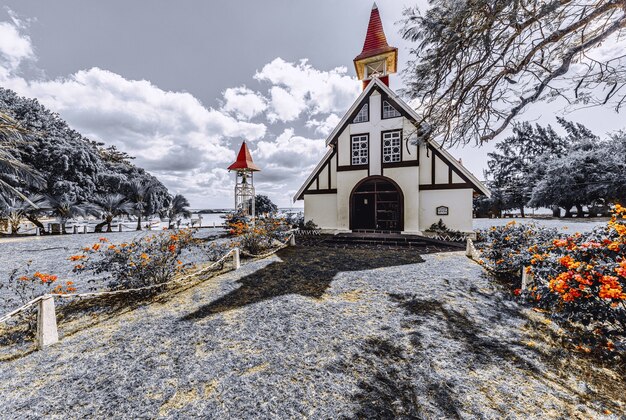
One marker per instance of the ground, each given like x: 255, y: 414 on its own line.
x: 317, y: 333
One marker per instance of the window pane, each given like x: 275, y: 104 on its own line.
x: 389, y: 111
x: 391, y: 146
x: 363, y: 115
x: 360, y: 153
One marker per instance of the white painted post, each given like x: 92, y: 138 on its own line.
x: 119, y: 227
x: 74, y: 229
x: 37, y: 231
x: 214, y: 224
x: 236, y: 259
x: 292, y: 240
x: 526, y: 278
x: 468, y: 248
x: 47, y: 333
x: 85, y: 229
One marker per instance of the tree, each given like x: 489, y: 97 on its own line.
x: 178, y: 209
x: 263, y: 204
x: 477, y: 64
x: 138, y: 197
x: 513, y: 167
x: 12, y: 170
x: 110, y: 206
x: 65, y: 209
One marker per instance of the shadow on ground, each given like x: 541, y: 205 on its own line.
x: 306, y: 271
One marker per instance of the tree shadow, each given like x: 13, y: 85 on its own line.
x: 305, y: 271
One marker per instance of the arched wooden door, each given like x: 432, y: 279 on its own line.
x: 377, y: 203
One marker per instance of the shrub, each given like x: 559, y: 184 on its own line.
x: 510, y: 248
x: 146, y: 261
x: 24, y: 285
x: 260, y: 237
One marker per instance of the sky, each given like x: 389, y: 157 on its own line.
x: 179, y: 84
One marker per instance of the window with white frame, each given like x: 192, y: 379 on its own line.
x: 363, y: 115
x: 376, y: 69
x: 391, y: 146
x: 360, y: 152
x: 389, y: 111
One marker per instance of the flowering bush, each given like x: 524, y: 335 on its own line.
x: 508, y: 249
x: 147, y: 261
x: 260, y: 236
x: 26, y: 285
x: 579, y: 277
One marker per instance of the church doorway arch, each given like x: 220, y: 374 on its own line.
x: 377, y: 203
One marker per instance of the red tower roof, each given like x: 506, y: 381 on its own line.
x: 244, y: 160
x: 375, y: 40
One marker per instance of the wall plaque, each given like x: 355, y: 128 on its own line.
x: 442, y: 211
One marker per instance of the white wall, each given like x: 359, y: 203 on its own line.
x: 322, y: 209
x: 459, y: 203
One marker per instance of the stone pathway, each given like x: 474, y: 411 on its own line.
x: 320, y: 333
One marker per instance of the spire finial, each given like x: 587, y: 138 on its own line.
x: 374, y: 7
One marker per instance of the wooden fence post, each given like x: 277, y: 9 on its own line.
x: 468, y: 248
x: 526, y: 278
x: 236, y: 259
x: 47, y: 333
x: 292, y: 240
x: 37, y: 231
x: 119, y: 227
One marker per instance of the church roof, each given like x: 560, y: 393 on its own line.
x: 375, y: 39
x: 244, y: 160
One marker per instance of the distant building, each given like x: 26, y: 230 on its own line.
x: 373, y: 177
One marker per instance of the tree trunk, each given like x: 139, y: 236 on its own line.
x: 139, y: 222
x: 556, y: 211
x: 568, y: 212
x: 521, y: 210
x: 42, y: 229
x: 579, y: 211
x: 99, y: 227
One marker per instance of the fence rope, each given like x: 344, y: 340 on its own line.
x: 272, y: 252
x: 200, y: 272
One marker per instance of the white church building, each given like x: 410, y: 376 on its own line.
x: 374, y: 177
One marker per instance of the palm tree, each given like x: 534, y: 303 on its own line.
x: 139, y: 193
x: 15, y: 209
x: 11, y: 169
x: 177, y: 209
x: 65, y: 209
x: 110, y: 206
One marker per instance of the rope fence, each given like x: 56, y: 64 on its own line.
x: 47, y: 332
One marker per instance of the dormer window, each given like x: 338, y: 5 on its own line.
x: 363, y: 115
x: 376, y: 69
x: 389, y: 111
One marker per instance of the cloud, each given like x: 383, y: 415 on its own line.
x: 243, y: 102
x: 186, y: 144
x: 298, y: 87
x: 14, y: 48
x: 324, y: 126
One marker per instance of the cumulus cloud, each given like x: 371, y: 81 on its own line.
x: 324, y: 126
x: 183, y: 142
x: 298, y: 87
x: 243, y: 102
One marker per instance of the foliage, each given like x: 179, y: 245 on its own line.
x: 261, y: 236
x: 508, y: 249
x: 478, y: 64
x: 109, y: 206
x: 580, y: 277
x: 297, y: 221
x: 177, y: 209
x: 147, y: 261
x: 27, y: 284
x: 263, y: 205
x: 68, y: 164
x: 14, y: 210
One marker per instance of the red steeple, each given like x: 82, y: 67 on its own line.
x: 377, y: 59
x: 244, y: 160
x: 375, y: 39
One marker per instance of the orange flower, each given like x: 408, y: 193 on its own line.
x: 76, y: 257
x: 95, y: 247
x: 614, y: 246
x: 111, y: 246
x: 103, y: 240
x: 517, y: 292
x: 172, y: 248
x: 144, y: 256
x: 560, y: 242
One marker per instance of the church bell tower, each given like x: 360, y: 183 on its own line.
x: 377, y: 59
